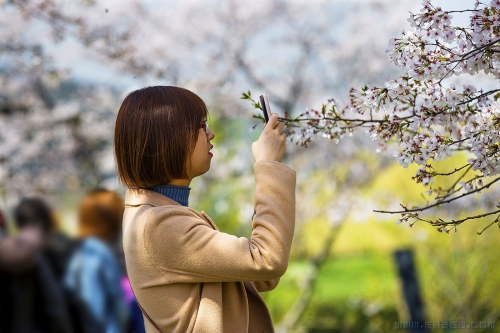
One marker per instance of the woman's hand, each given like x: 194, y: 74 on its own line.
x: 271, y: 144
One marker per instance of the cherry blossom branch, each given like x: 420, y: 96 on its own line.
x: 452, y: 172
x: 462, y: 11
x: 454, y: 223
x: 451, y: 190
x: 406, y: 210
x: 489, y: 225
x: 457, y: 222
x: 371, y: 120
x: 460, y: 178
x: 479, y: 96
x: 475, y: 51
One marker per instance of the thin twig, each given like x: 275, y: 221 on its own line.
x: 438, y: 203
x: 457, y: 222
x: 489, y: 225
x: 452, y: 172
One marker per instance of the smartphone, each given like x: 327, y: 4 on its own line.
x: 266, y: 109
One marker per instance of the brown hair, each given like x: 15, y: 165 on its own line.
x: 156, y: 131
x: 101, y: 214
x: 34, y: 212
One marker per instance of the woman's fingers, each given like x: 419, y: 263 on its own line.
x: 271, y: 144
x: 273, y: 120
x: 280, y: 127
x: 274, y: 123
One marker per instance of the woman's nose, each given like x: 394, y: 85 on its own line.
x: 211, y: 134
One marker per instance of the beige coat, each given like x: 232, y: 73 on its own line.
x: 190, y: 277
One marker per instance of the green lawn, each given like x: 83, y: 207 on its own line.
x: 341, y: 280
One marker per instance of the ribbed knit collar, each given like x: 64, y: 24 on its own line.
x: 177, y: 193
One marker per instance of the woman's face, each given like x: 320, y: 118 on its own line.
x: 201, y: 158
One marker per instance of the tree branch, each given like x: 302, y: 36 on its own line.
x: 438, y: 203
x: 452, y: 172
x: 489, y: 225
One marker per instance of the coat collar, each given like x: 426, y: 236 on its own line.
x: 137, y: 196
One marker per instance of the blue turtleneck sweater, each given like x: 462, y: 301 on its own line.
x: 177, y: 193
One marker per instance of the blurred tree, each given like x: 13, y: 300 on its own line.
x: 333, y: 204
x: 52, y: 140
x: 458, y: 284
x: 459, y: 279
x: 53, y: 131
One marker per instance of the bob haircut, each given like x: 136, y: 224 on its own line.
x: 101, y: 214
x: 156, y: 131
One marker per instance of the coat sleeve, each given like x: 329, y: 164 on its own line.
x: 188, y: 250
x: 269, y: 285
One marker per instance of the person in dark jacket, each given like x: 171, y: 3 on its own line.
x: 31, y: 296
x: 57, y: 247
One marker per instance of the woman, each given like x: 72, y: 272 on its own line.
x: 94, y: 272
x: 186, y: 274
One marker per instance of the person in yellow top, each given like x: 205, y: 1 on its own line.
x: 187, y: 275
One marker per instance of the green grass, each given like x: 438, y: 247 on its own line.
x: 364, y: 276
x: 367, y: 276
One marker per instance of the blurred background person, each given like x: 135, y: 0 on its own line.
x: 94, y: 272
x: 3, y: 225
x: 31, y: 297
x: 57, y: 246
x: 17, y: 252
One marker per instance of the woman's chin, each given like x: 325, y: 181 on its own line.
x: 206, y: 170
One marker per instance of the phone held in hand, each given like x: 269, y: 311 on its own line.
x: 266, y: 109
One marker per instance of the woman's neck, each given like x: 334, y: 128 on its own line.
x: 180, y: 182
